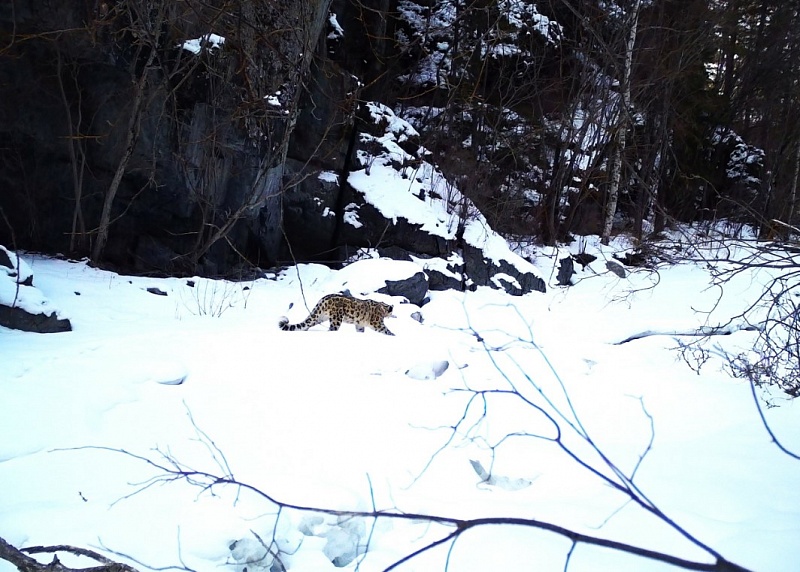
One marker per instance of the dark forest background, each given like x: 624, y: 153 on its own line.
x: 556, y: 117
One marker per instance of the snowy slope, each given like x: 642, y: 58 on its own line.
x: 341, y: 420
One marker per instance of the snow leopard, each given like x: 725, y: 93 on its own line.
x: 338, y: 308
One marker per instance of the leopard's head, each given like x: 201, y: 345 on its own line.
x: 385, y: 309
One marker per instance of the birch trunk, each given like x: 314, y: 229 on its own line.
x: 622, y: 124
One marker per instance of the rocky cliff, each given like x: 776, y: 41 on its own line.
x: 210, y: 138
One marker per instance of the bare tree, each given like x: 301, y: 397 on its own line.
x: 774, y: 359
x: 149, y: 38
x: 77, y: 153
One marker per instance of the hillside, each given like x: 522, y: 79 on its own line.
x: 121, y: 434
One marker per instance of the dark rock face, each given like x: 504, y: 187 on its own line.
x: 400, y: 233
x: 242, y: 146
x: 438, y: 280
x: 203, y: 182
x: 324, y: 126
x: 310, y: 206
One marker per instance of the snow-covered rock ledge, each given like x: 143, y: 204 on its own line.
x: 22, y: 306
x: 399, y: 197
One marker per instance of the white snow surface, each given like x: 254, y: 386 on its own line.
x: 333, y: 420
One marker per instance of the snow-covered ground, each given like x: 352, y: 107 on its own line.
x: 203, y: 378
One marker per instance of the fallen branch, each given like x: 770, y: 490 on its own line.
x: 25, y: 563
x: 701, y: 332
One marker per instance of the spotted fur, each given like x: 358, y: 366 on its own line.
x: 338, y: 308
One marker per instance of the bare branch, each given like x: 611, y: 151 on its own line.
x: 25, y: 563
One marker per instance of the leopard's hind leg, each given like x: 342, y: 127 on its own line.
x: 384, y: 330
x: 336, y: 322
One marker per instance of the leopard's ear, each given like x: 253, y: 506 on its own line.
x: 390, y: 308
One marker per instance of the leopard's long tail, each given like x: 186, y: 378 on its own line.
x: 313, y: 319
x: 284, y: 324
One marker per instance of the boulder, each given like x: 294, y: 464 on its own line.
x: 566, y: 269
x: 616, y: 268
x: 17, y: 318
x: 22, y: 306
x: 500, y: 273
x: 414, y: 288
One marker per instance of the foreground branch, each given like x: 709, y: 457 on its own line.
x: 25, y: 563
x: 172, y: 470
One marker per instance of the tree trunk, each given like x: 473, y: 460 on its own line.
x: 78, y: 231
x: 793, y: 191
x: 139, y: 89
x: 616, y: 168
